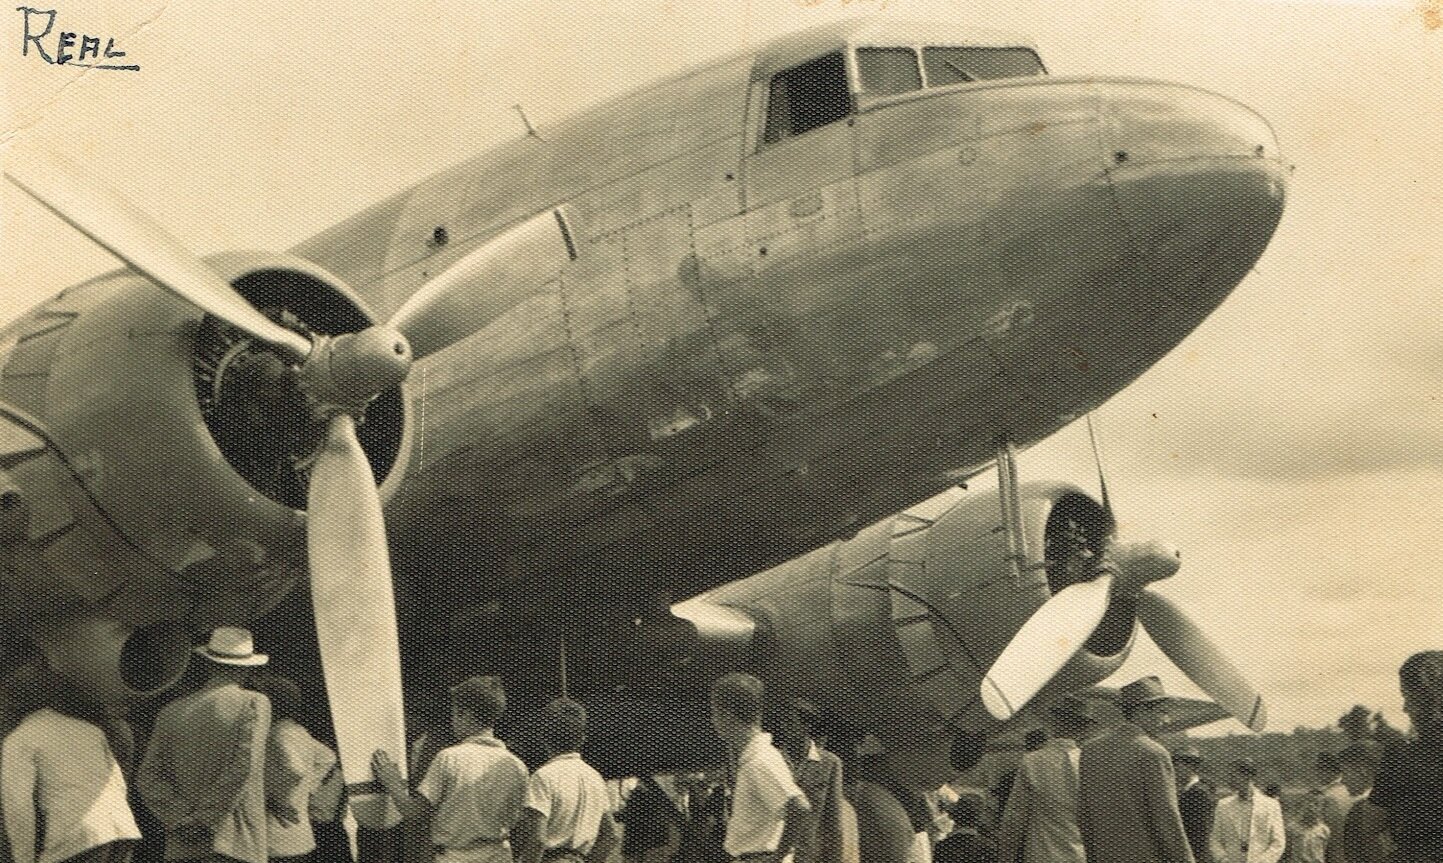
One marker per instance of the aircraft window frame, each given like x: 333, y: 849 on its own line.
x: 861, y: 82
x: 927, y: 52
x: 770, y: 134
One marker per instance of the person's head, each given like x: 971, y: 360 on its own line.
x: 1241, y: 774
x: 231, y: 653
x: 1326, y: 766
x: 1359, y: 763
x: 737, y: 700
x: 285, y: 696
x: 1072, y: 717
x: 1145, y: 704
x: 563, y: 724
x: 477, y: 704
x: 799, y: 722
x: 1187, y: 763
x: 1420, y: 679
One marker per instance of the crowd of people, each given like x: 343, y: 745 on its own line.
x: 1119, y: 796
x: 231, y: 773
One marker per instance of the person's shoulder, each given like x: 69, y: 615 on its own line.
x: 1151, y: 748
x: 582, y: 767
x: 513, y: 761
x: 175, y: 706
x: 233, y: 697
x: 770, y: 758
x: 446, y: 760
x: 594, y: 776
x: 295, y: 734
x: 31, y: 726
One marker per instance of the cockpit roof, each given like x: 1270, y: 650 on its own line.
x: 793, y: 48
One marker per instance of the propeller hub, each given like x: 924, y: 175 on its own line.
x: 1139, y: 564
x: 345, y: 372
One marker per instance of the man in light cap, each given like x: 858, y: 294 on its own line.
x: 203, y: 775
x: 1127, y: 803
x: 1040, y: 820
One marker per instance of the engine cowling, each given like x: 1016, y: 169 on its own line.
x: 161, y: 476
x: 113, y: 661
x: 895, y: 627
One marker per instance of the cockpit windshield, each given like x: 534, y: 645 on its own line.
x: 886, y: 71
x: 957, y: 65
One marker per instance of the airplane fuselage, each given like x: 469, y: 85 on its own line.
x: 773, y: 329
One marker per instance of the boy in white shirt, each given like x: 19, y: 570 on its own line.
x: 567, y: 815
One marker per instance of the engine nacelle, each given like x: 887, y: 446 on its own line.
x: 896, y: 627
x: 112, y: 661
x: 158, y: 457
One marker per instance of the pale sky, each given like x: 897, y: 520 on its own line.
x: 1292, y: 446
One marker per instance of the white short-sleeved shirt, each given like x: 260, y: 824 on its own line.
x: 764, y: 785
x: 477, y: 788
x: 571, y: 797
x: 65, y: 766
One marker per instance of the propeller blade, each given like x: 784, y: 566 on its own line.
x: 117, y: 226
x: 473, y: 291
x: 1043, y: 645
x: 355, y: 616
x: 1201, y: 660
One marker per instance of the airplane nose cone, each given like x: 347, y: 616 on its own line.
x: 1153, y: 123
x: 1200, y: 185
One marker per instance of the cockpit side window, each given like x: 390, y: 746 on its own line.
x: 807, y: 97
x: 956, y: 65
x: 885, y: 71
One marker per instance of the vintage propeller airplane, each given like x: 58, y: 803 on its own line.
x: 735, y: 336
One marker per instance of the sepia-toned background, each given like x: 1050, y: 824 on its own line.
x: 1292, y: 446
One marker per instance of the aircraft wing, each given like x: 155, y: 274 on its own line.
x: 1187, y: 713
x: 1190, y: 713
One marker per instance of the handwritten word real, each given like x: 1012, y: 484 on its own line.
x: 70, y: 48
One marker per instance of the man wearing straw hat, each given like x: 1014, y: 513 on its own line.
x: 1127, y: 801
x: 203, y: 773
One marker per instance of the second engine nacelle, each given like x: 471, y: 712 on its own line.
x: 895, y: 627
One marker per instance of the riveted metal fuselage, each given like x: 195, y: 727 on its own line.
x: 758, y: 348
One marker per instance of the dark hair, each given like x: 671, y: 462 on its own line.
x: 1328, y: 761
x: 806, y: 712
x: 1421, y: 680
x: 564, y: 725
x: 483, y: 697
x: 742, y: 695
x: 965, y: 812
x: 1364, y: 753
